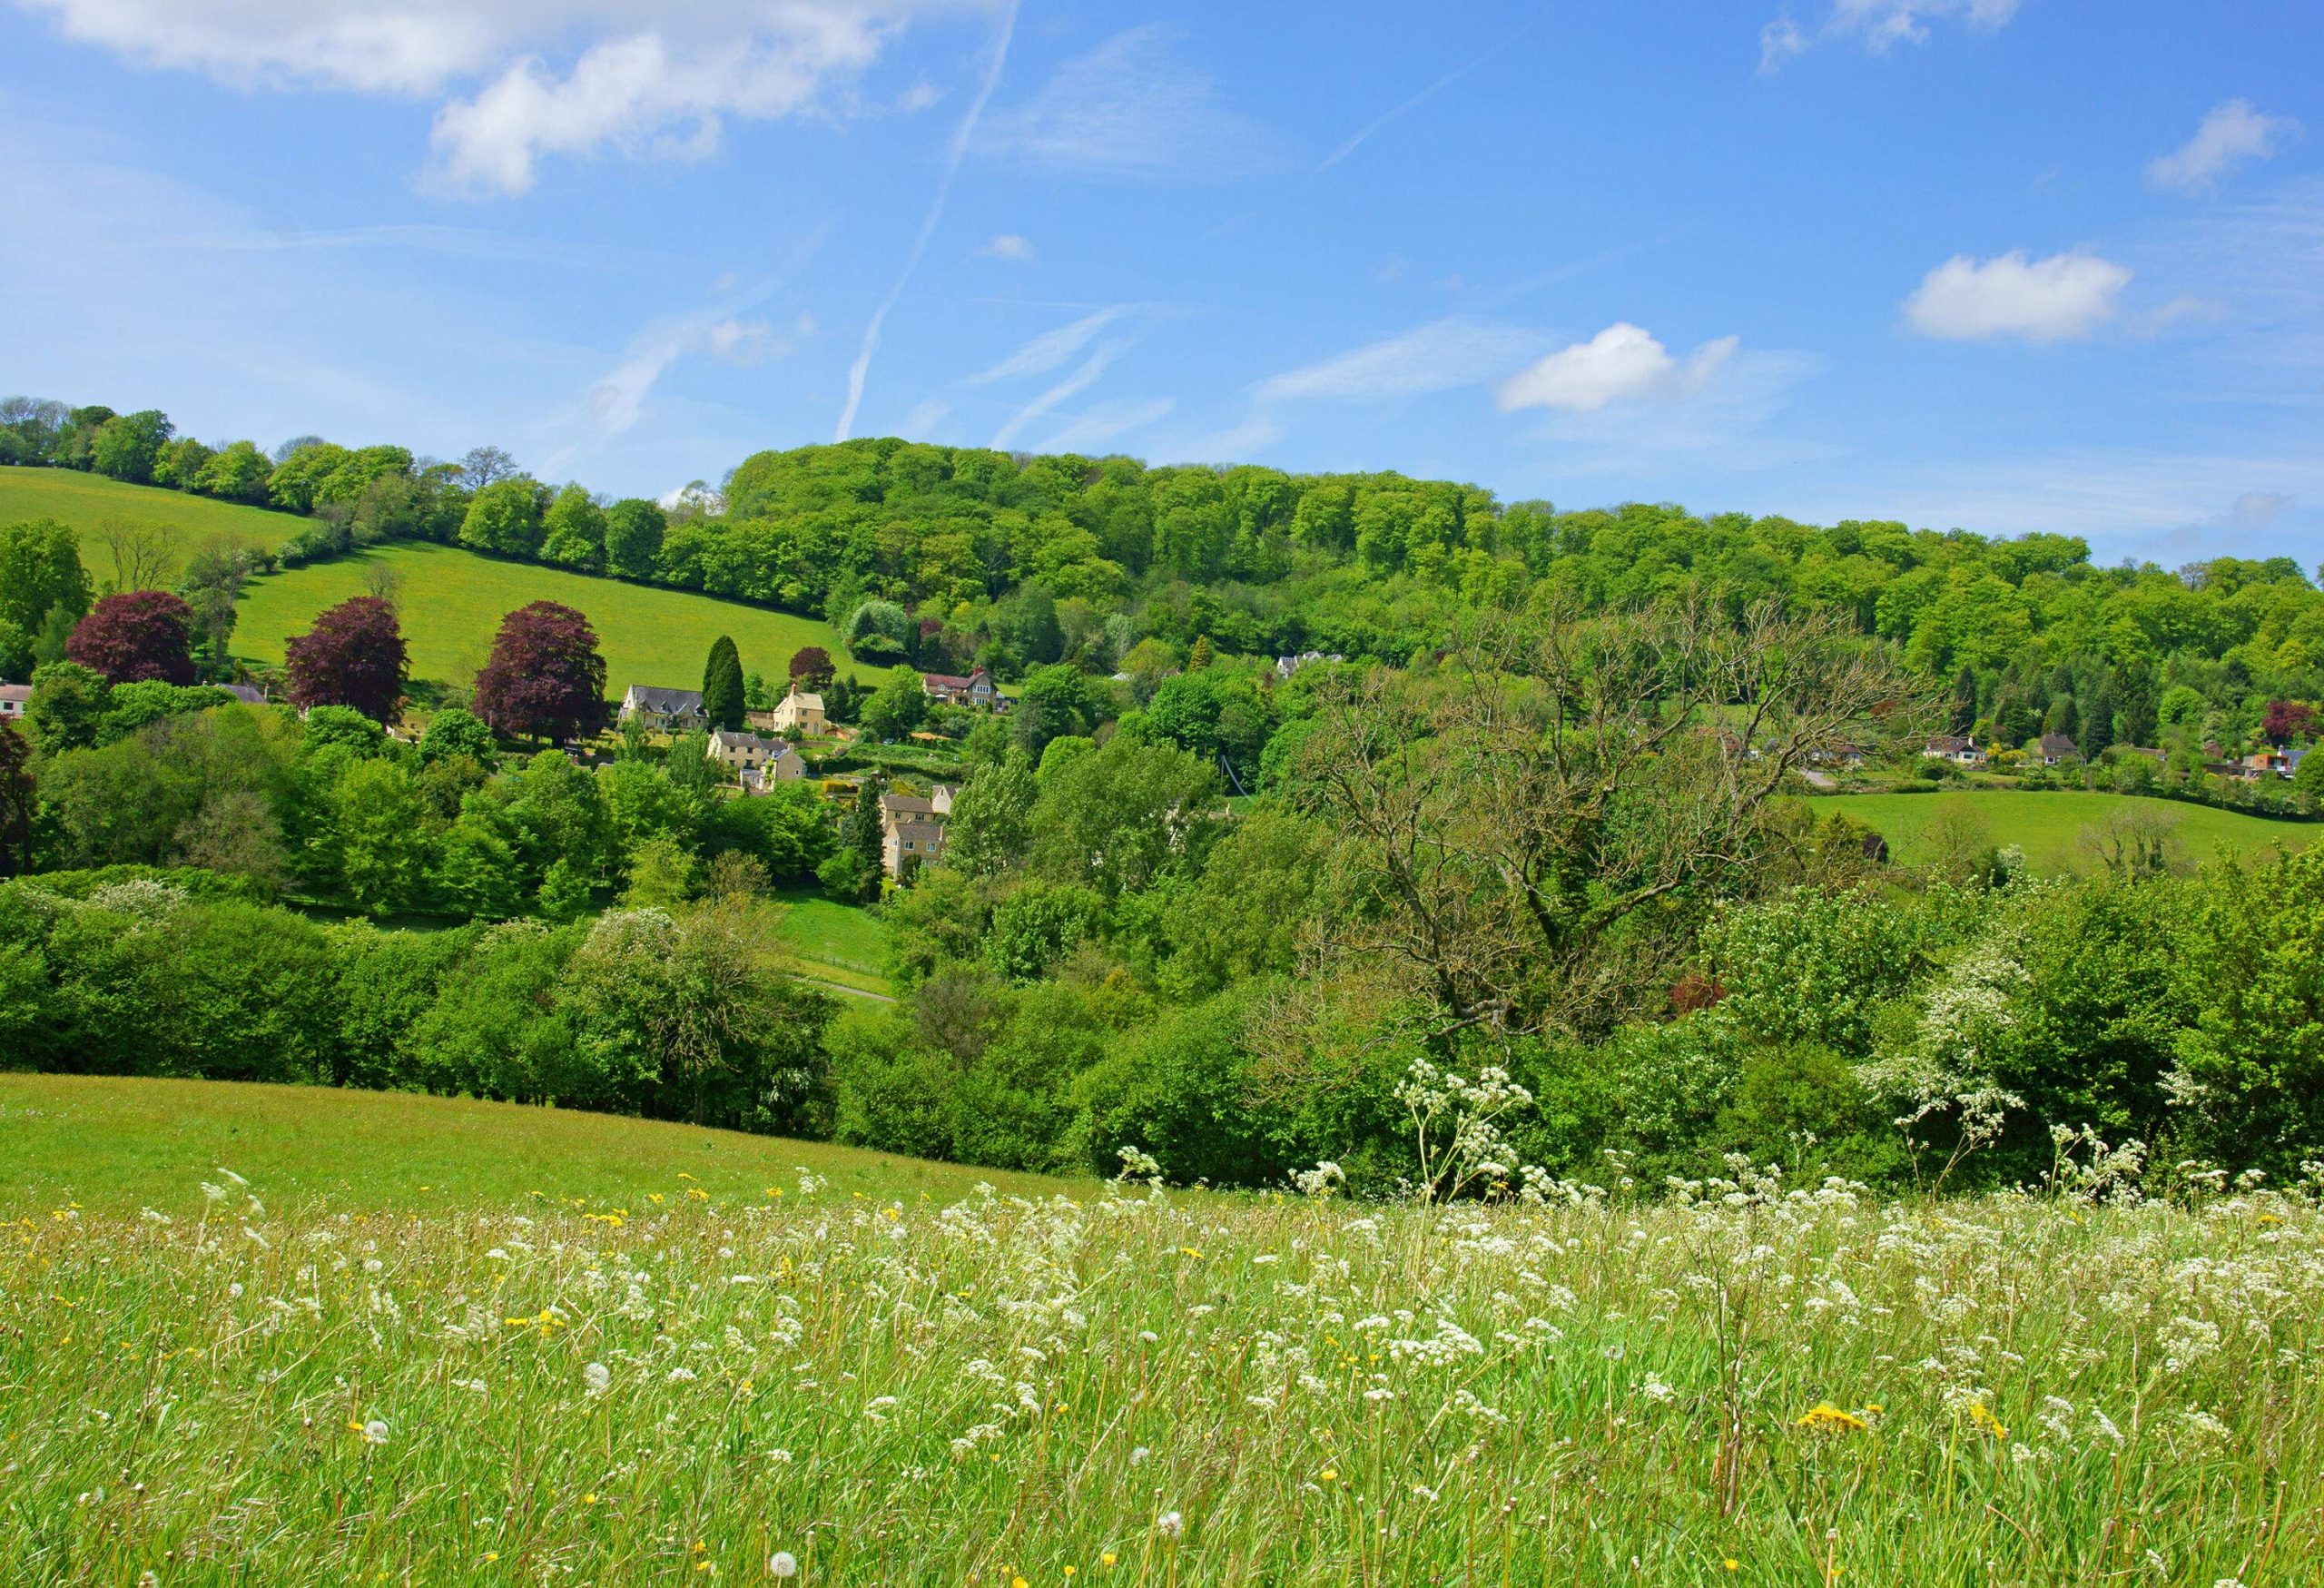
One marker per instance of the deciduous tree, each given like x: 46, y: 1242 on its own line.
x: 143, y: 634
x: 811, y: 667
x: 17, y: 797
x: 505, y: 519
x: 1542, y: 823
x: 354, y: 655
x: 545, y: 679
x: 633, y: 531
x: 40, y: 572
x: 128, y: 444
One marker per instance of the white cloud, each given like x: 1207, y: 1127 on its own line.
x: 644, y: 77
x: 1008, y: 248
x: 2064, y: 297
x: 925, y: 416
x: 1620, y: 363
x: 1078, y: 382
x: 1049, y: 349
x: 618, y: 398
x: 2256, y: 509
x: 2230, y: 134
x: 1441, y: 356
x: 1130, y: 107
x: 1877, y: 25
x: 1103, y: 422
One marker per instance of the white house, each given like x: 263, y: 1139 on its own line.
x: 668, y: 711
x: 13, y: 697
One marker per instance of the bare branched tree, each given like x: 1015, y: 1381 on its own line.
x: 381, y: 581
x: 1539, y: 824
x: 144, y: 554
x: 2136, y: 840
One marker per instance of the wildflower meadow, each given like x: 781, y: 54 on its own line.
x: 1732, y: 1381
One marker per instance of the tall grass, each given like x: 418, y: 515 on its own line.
x: 1750, y: 1386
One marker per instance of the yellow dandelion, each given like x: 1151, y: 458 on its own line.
x: 1108, y: 1559
x: 1826, y: 1417
x: 1732, y: 1565
x: 1328, y: 1475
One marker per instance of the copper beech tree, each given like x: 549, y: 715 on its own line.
x: 1538, y: 825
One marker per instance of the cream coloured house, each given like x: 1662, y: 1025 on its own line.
x: 745, y: 752
x: 803, y: 712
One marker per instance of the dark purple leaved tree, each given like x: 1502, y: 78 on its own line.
x: 546, y: 679
x: 353, y: 656
x: 132, y: 637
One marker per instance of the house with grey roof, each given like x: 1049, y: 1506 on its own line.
x: 663, y: 711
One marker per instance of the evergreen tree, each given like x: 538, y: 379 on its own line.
x: 2098, y: 724
x: 1199, y: 657
x: 721, y: 686
x: 1964, y: 700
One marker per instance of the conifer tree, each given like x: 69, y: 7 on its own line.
x: 721, y: 686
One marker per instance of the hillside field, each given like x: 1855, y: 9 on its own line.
x: 841, y: 944
x: 311, y: 1337
x: 85, y: 501
x: 452, y: 599
x: 113, y: 1145
x: 2048, y: 825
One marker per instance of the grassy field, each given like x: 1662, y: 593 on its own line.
x: 303, y: 1379
x: 2050, y: 826
x: 453, y: 600
x: 842, y: 944
x: 115, y: 1146
x: 85, y: 501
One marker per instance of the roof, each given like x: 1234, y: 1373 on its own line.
x: 943, y: 681
x: 1951, y: 743
x: 647, y: 696
x: 806, y: 701
x: 244, y: 692
x: 2059, y: 745
x: 15, y: 692
x: 923, y: 832
x: 728, y: 739
x: 907, y: 805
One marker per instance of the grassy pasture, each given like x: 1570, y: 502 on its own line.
x: 844, y: 944
x: 453, y: 600
x: 2048, y: 825
x: 85, y: 501
x: 114, y: 1145
x: 329, y: 1376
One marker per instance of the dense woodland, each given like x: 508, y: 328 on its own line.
x: 1532, y: 850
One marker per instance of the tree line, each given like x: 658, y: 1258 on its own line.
x: 948, y: 558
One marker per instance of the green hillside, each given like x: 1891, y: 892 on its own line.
x: 85, y: 501
x: 2050, y: 826
x: 113, y: 1145
x: 452, y: 599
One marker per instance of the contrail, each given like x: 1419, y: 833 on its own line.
x: 862, y: 365
x: 1416, y: 100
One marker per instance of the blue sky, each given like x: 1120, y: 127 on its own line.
x: 2000, y: 264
